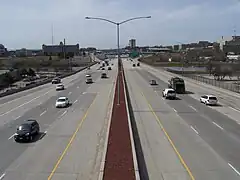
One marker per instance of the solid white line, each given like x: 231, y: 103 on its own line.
x: 11, y: 136
x: 217, y: 125
x: 43, y: 113
x: 69, y: 93
x: 63, y: 113
x: 194, y: 130
x: 234, y: 109
x: 174, y: 110
x: 75, y: 101
x: 2, y: 176
x: 234, y: 169
x: 23, y: 104
x: 193, y: 108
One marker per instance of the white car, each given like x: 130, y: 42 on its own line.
x: 88, y: 75
x: 169, y: 93
x: 209, y: 99
x: 62, y: 102
x: 59, y: 87
x: 89, y: 80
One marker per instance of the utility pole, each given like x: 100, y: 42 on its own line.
x: 52, y: 34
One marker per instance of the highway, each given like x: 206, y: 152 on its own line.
x: 181, y: 139
x: 71, y: 142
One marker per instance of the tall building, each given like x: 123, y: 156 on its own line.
x: 132, y: 43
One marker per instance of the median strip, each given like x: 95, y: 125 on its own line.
x: 119, y: 162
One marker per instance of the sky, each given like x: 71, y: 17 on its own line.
x: 28, y: 23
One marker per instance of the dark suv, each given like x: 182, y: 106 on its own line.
x: 56, y: 81
x: 27, y: 130
x: 104, y: 75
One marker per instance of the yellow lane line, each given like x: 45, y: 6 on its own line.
x: 169, y: 139
x: 70, y: 141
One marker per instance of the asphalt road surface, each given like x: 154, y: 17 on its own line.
x: 181, y: 139
x: 71, y: 141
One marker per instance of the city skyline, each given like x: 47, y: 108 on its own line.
x: 172, y: 22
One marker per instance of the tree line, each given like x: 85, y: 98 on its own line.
x: 8, y: 78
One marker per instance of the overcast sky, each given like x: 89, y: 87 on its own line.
x: 27, y: 23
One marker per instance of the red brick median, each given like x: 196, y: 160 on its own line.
x: 119, y: 158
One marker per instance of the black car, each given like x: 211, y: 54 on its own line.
x: 27, y: 130
x: 134, y: 65
x: 138, y: 64
x: 104, y: 75
x: 109, y: 68
x: 153, y: 82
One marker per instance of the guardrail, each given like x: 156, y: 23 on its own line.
x: 41, y: 83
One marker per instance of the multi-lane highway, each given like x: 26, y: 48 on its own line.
x: 71, y: 141
x: 181, y: 139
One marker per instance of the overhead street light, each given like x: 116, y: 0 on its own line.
x: 118, y: 41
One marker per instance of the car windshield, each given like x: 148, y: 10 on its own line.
x: 212, y: 98
x: 23, y: 127
x: 61, y: 100
x: 171, y: 91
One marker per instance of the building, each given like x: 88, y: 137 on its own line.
x: 27, y: 52
x: 56, y: 50
x: 3, y: 50
x: 132, y: 43
x: 230, y: 44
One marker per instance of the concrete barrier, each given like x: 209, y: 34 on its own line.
x: 41, y: 83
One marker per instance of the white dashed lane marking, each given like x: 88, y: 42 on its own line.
x: 220, y: 127
x: 43, y: 113
x: 234, y: 169
x: 2, y: 176
x: 194, y: 130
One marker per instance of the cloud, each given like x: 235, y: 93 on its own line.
x: 28, y: 23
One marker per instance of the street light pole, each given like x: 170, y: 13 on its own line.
x: 118, y: 43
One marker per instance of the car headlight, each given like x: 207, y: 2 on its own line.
x: 27, y: 134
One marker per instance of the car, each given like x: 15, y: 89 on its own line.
x: 104, y: 75
x: 153, y: 82
x: 138, y: 64
x: 109, y: 68
x: 59, y: 87
x: 56, y: 81
x: 88, y: 68
x: 169, y: 93
x: 112, y: 64
x: 209, y: 99
x: 134, y: 65
x: 62, y: 102
x: 103, y: 68
x: 27, y: 130
x: 89, y: 81
x: 88, y: 75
